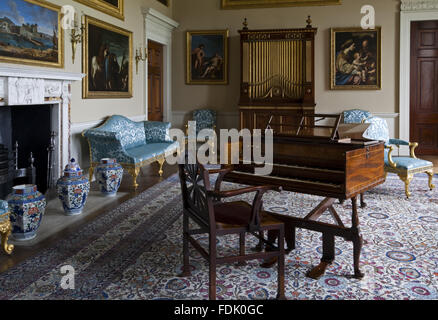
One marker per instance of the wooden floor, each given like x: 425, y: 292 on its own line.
x: 148, y: 177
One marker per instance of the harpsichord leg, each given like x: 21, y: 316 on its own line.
x: 328, y: 256
x: 362, y: 201
x: 357, y: 240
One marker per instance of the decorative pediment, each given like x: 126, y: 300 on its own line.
x: 419, y: 5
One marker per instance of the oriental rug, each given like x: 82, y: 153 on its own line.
x: 135, y: 252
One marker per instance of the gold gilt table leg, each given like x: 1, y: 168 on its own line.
x: 5, y: 230
x: 430, y: 173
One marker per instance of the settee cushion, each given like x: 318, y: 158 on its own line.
x: 131, y: 134
x: 156, y: 131
x: 150, y: 150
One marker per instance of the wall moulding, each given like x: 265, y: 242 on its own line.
x: 418, y: 5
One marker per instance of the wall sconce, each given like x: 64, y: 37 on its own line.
x: 76, y: 36
x: 139, y: 56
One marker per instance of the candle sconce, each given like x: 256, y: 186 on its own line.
x: 76, y: 37
x: 140, y: 55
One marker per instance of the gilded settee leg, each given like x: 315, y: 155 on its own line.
x: 161, y: 163
x: 91, y: 173
x: 134, y: 172
x: 5, y: 230
x: 407, y: 180
x: 430, y: 173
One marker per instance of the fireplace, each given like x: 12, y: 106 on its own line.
x: 34, y: 104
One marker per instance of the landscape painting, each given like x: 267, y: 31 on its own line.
x: 30, y: 33
x: 207, y: 57
x: 107, y: 60
x: 355, y: 59
x: 111, y: 7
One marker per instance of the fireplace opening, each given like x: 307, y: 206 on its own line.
x: 28, y: 127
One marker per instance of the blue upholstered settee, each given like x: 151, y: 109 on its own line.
x: 132, y: 144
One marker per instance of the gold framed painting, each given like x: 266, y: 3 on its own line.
x: 247, y: 4
x: 31, y: 33
x: 114, y: 8
x: 106, y: 60
x: 356, y: 59
x: 207, y: 57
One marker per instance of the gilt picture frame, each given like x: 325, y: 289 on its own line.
x: 115, y: 8
x: 207, y: 57
x: 29, y: 39
x: 107, y: 60
x: 355, y: 59
x: 248, y: 4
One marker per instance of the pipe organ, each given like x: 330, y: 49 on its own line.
x: 277, y: 77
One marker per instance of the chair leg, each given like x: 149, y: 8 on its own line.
x: 407, y: 180
x: 212, y: 267
x: 430, y: 173
x: 186, y: 254
x: 280, y: 265
x: 161, y: 163
x: 242, y: 248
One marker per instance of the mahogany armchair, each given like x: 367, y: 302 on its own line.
x: 203, y: 206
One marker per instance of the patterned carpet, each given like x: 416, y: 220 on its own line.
x: 134, y: 252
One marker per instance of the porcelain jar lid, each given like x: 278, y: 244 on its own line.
x: 72, y: 169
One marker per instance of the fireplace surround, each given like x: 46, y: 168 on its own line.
x: 21, y: 87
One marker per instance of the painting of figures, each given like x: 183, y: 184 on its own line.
x: 30, y: 33
x: 107, y: 60
x: 207, y: 57
x: 111, y: 7
x: 355, y: 59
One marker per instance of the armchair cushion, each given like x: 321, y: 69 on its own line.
x: 225, y: 212
x: 408, y: 163
x: 356, y: 116
x: 378, y: 130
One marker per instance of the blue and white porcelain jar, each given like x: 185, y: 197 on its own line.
x: 73, y: 189
x: 109, y: 174
x: 27, y: 206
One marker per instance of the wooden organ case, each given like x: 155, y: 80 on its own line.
x: 277, y: 77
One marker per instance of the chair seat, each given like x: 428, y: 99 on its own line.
x: 408, y: 163
x: 238, y: 214
x: 150, y: 150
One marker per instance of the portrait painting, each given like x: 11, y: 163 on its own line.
x: 248, y: 4
x: 355, y: 59
x: 107, y: 60
x: 31, y: 33
x: 111, y: 7
x: 207, y: 57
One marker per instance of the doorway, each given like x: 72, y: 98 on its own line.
x: 155, y: 81
x: 424, y: 86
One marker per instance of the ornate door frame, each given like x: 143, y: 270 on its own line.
x: 411, y: 10
x: 158, y: 28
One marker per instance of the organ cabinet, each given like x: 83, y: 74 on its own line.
x: 277, y: 77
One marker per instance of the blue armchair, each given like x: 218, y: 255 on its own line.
x: 404, y: 167
x: 132, y: 144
